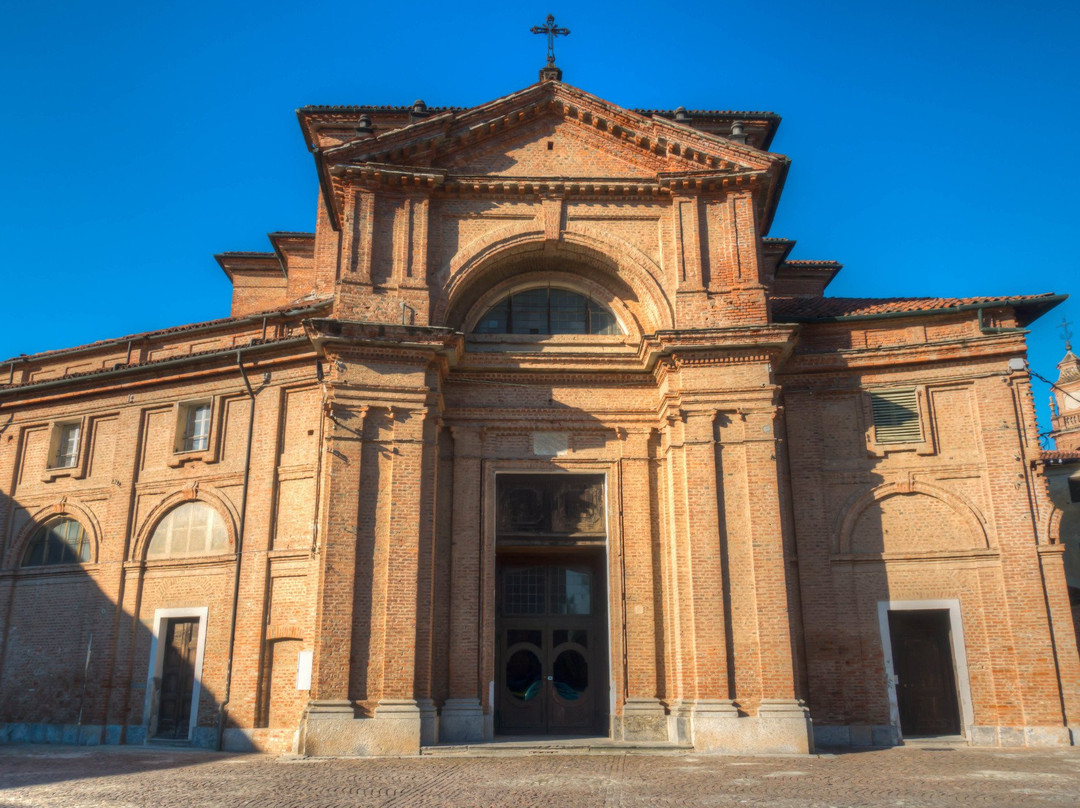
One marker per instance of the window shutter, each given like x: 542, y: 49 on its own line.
x: 896, y: 416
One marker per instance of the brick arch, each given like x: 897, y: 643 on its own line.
x: 609, y: 261
x: 207, y: 496
x: 967, y: 513
x: 63, y: 508
x: 1053, y: 525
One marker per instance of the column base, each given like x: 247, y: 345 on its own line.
x: 681, y: 721
x: 329, y: 730
x: 782, y: 726
x: 429, y: 722
x: 642, y: 719
x: 461, y: 721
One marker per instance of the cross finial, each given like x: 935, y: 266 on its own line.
x: 1066, y: 334
x: 549, y: 28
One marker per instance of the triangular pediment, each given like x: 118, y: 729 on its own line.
x: 553, y: 146
x: 555, y: 130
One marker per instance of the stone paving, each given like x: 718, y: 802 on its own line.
x: 125, y: 777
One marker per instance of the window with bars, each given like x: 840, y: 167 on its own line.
x: 61, y: 541
x: 896, y: 416
x: 547, y: 310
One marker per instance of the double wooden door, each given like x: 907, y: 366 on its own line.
x: 551, y: 645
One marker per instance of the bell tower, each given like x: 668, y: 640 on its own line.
x: 1065, y: 403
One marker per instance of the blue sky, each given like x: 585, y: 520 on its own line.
x: 933, y: 144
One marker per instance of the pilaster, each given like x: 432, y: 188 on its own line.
x: 642, y: 715
x: 462, y: 715
x: 343, y: 449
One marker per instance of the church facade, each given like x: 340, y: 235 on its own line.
x: 539, y: 433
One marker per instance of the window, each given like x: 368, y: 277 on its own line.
x: 1074, y: 489
x: 195, y: 427
x: 547, y: 311
x: 896, y: 416
x: 193, y: 528
x: 61, y: 541
x: 64, y: 447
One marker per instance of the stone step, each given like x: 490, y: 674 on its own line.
x: 584, y: 746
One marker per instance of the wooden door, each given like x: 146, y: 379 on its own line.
x: 177, y: 678
x: 551, y: 646
x: 925, y: 677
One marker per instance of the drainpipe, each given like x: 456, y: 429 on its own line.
x: 985, y: 329
x: 239, y: 551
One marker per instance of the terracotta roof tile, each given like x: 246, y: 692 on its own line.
x: 1059, y: 455
x: 830, y: 308
x: 307, y: 301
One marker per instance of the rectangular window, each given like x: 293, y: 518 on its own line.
x: 67, y: 445
x: 1074, y: 489
x: 196, y: 427
x: 896, y: 416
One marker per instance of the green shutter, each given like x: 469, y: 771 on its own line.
x: 896, y: 416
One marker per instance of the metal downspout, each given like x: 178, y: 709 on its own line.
x: 986, y: 329
x: 239, y: 552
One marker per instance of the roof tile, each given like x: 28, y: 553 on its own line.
x: 827, y: 308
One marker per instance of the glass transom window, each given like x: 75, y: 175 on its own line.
x: 547, y: 311
x: 191, y: 529
x: 62, y: 541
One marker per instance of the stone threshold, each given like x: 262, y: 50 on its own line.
x: 520, y: 746
x: 923, y: 741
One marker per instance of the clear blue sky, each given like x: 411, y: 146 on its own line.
x: 934, y: 144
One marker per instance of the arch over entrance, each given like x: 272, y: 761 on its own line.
x: 614, y: 270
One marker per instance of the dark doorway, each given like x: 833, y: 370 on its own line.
x: 551, y: 641
x: 551, y: 644
x: 925, y: 675
x: 177, y: 678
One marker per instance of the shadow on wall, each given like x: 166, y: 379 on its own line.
x: 75, y: 666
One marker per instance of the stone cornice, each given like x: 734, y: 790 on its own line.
x: 967, y: 349
x: 383, y: 176
x: 382, y: 340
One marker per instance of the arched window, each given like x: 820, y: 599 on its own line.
x: 61, y: 541
x: 191, y: 529
x: 547, y: 311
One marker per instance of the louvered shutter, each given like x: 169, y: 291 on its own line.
x: 896, y: 416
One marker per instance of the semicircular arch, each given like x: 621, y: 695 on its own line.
x: 964, y: 512
x: 208, y: 496
x: 605, y: 259
x: 65, y: 508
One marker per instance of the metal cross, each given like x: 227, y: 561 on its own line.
x: 552, y: 32
x: 1066, y: 334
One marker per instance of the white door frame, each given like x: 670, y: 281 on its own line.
x: 959, y: 656
x: 157, y: 659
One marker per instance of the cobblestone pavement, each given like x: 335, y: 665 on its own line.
x: 909, y: 776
